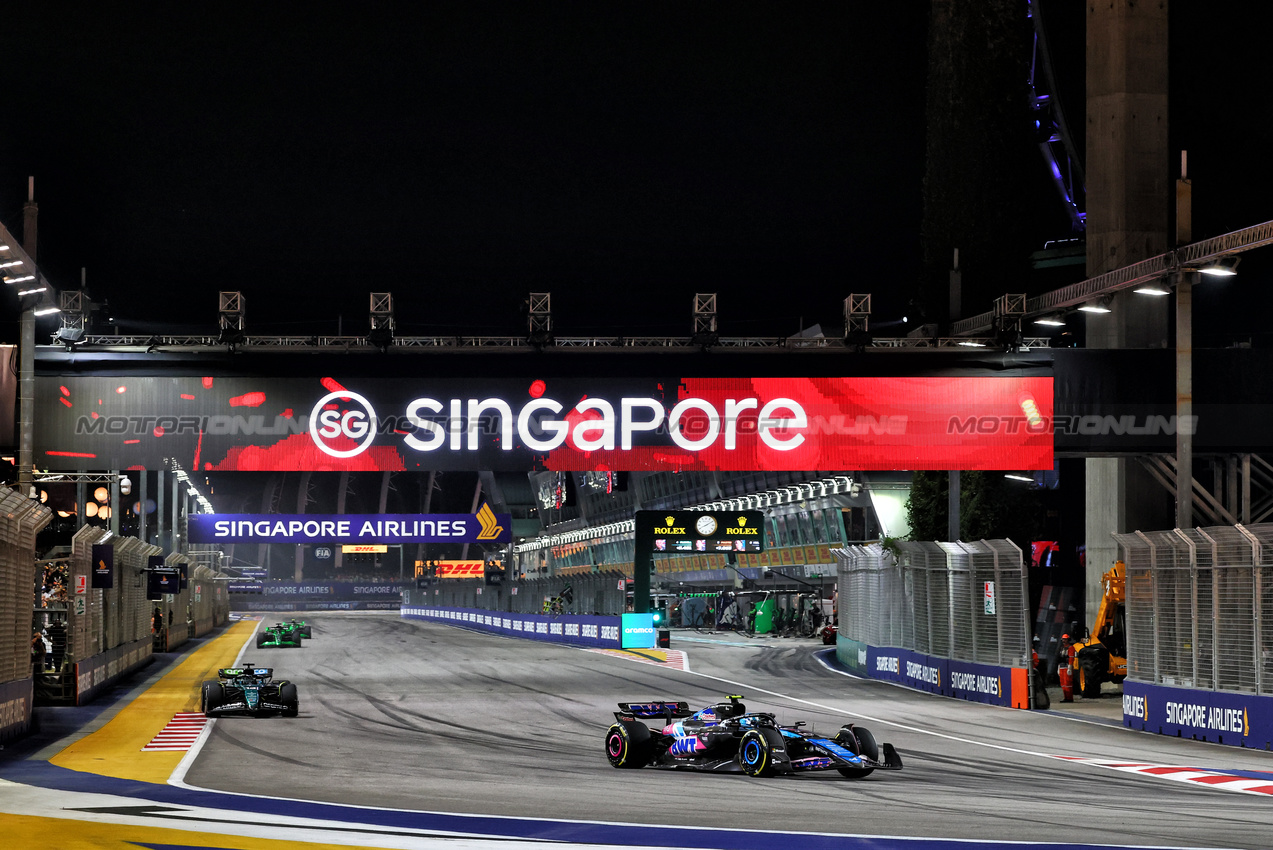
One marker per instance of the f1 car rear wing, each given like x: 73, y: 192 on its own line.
x: 241, y: 672
x: 658, y: 708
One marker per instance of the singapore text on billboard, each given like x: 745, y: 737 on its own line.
x: 562, y: 424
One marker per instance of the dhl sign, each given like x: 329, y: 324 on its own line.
x: 461, y: 569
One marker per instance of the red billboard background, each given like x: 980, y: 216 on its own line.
x: 248, y: 424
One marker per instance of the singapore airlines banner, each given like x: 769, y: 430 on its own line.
x: 569, y: 424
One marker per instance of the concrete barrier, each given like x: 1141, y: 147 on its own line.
x: 1236, y: 719
x: 986, y: 683
x: 627, y: 631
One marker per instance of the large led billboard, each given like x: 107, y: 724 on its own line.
x: 566, y: 424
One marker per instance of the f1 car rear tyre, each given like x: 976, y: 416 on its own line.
x: 287, y: 696
x: 626, y: 747
x: 212, y: 696
x: 861, y: 742
x: 260, y: 639
x: 756, y: 749
x: 1093, y: 665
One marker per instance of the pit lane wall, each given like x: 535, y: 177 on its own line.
x: 102, y: 634
x: 946, y: 618
x: 628, y: 631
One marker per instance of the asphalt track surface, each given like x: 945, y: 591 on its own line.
x: 422, y: 716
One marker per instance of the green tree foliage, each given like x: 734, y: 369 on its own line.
x: 991, y: 506
x: 926, y: 509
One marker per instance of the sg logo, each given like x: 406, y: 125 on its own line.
x: 352, y: 418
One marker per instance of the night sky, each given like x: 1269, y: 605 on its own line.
x: 622, y: 156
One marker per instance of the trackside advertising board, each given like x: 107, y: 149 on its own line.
x: 571, y: 424
x: 485, y: 526
x: 991, y: 684
x: 626, y: 632
x: 1241, y: 720
x: 250, y: 595
x: 16, y: 699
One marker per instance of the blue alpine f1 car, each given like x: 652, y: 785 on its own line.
x: 726, y: 738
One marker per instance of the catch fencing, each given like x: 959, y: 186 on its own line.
x: 949, y: 618
x: 1200, y: 607
x: 964, y: 601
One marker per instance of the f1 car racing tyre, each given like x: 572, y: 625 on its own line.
x: 260, y: 639
x: 755, y: 751
x: 861, y: 742
x: 1093, y: 665
x: 626, y: 746
x: 287, y: 696
x: 213, y: 694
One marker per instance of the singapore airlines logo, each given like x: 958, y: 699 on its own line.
x: 486, y: 519
x: 342, y: 414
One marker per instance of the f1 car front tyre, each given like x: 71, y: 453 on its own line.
x: 212, y: 696
x: 861, y: 742
x: 626, y: 747
x: 287, y: 696
x: 756, y: 751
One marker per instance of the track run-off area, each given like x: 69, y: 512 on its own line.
x: 415, y: 734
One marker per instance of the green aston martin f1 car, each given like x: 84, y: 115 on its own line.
x: 249, y: 690
x: 279, y: 634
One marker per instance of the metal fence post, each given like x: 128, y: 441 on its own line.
x: 1257, y: 617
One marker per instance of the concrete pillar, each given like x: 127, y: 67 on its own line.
x: 1128, y: 201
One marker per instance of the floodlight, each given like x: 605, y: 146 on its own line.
x: 1225, y: 266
